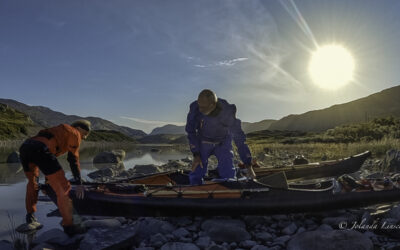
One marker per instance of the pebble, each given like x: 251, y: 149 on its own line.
x: 290, y: 229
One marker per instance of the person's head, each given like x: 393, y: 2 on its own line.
x: 207, y: 101
x: 83, y: 126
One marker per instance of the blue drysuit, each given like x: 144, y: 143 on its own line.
x: 212, y: 135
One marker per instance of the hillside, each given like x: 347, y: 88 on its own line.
x: 47, y: 118
x: 381, y: 104
x: 14, y: 124
x: 169, y: 129
x: 109, y: 136
x: 249, y: 127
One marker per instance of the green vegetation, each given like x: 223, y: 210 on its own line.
x: 377, y: 129
x: 13, y: 124
x: 108, y: 136
x: 377, y: 136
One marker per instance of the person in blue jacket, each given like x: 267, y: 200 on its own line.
x: 211, y: 126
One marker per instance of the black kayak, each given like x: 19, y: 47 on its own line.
x: 332, y: 168
x: 248, y: 197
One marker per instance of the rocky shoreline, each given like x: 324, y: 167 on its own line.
x: 367, y: 228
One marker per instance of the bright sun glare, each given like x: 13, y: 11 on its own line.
x: 331, y: 67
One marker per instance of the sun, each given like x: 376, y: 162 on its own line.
x: 331, y: 67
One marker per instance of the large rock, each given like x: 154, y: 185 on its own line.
x: 179, y: 246
x: 149, y: 226
x: 13, y: 157
x: 158, y: 240
x: 253, y: 221
x: 109, y: 172
x: 146, y: 169
x: 105, y: 223
x: 224, y: 230
x: 290, y: 229
x: 120, y: 154
x: 394, y: 213
x: 391, y: 162
x: 175, y: 165
x: 264, y: 236
x: 53, y: 236
x: 203, y: 242
x: 114, y: 238
x: 181, y: 232
x: 115, y: 156
x: 337, y: 222
x: 330, y: 240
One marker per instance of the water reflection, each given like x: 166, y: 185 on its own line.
x: 13, y: 173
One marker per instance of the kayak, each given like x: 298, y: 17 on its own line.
x: 241, y: 197
x: 322, y: 169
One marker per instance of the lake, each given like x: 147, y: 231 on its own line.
x: 13, y: 182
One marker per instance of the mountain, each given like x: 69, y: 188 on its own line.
x: 381, y: 104
x: 47, y: 118
x: 109, y: 135
x: 169, y: 129
x: 249, y: 127
x: 15, y: 124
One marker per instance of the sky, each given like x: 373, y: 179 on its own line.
x: 141, y: 63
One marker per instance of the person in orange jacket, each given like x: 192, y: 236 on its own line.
x: 41, y: 152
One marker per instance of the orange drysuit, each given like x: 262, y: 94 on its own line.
x: 40, y: 152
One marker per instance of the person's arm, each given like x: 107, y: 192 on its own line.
x: 191, y: 130
x: 73, y: 157
x: 193, y: 136
x: 239, y: 138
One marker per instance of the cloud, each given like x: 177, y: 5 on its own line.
x: 151, y: 122
x: 50, y: 21
x: 224, y: 63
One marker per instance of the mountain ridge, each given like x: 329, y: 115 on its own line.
x: 47, y: 117
x: 379, y: 104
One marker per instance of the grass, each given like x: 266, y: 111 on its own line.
x: 18, y: 239
x: 378, y: 136
x: 13, y: 124
x: 108, y: 136
x: 318, y: 151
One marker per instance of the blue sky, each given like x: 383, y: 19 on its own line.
x: 141, y: 63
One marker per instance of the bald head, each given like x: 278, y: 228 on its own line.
x: 207, y: 101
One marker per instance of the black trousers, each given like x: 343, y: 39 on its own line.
x: 36, y: 152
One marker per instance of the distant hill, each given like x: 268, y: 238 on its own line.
x: 108, y: 135
x: 381, y: 104
x: 169, y: 129
x: 249, y: 127
x: 47, y: 118
x: 15, y: 124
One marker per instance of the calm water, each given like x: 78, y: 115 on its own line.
x: 13, y: 184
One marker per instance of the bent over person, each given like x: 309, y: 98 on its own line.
x: 41, y: 152
x: 211, y: 126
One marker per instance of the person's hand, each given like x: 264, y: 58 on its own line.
x: 80, y: 192
x: 196, y: 162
